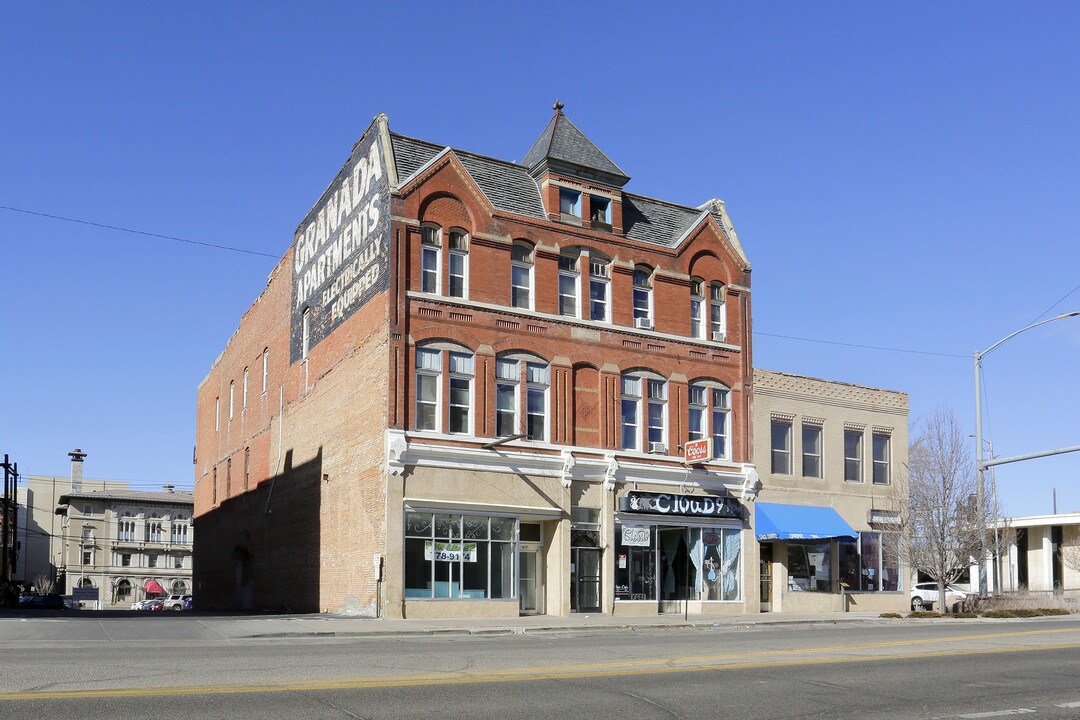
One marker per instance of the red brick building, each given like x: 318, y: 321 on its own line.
x: 467, y: 389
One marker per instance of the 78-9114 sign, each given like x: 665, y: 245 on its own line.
x: 697, y: 451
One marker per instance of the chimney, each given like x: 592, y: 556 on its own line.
x: 76, y: 456
x: 168, y: 488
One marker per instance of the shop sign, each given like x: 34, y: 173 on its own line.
x: 710, y: 539
x: 85, y: 593
x: 875, y: 516
x: 697, y: 451
x: 685, y: 505
x: 636, y: 535
x: 449, y: 552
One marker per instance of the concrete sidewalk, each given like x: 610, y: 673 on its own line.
x: 284, y: 626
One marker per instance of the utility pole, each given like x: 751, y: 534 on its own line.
x: 9, y: 520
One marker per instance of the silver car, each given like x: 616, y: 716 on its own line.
x: 925, y: 594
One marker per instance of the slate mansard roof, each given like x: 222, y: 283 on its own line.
x: 511, y: 187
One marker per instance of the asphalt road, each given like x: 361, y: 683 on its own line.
x: 885, y: 669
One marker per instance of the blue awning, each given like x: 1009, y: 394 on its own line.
x: 773, y: 521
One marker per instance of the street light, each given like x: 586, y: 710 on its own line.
x: 980, y: 465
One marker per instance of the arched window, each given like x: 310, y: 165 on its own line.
x: 177, y: 587
x: 243, y: 396
x: 430, y: 258
x: 458, y: 261
x: 430, y: 362
x: 643, y: 412
x: 521, y: 394
x: 697, y: 308
x: 569, y: 277
x: 231, y: 397
x: 717, y: 313
x: 643, y: 311
x: 123, y: 589
x: 521, y: 275
x: 710, y: 415
x: 125, y: 527
x: 599, y: 288
x: 266, y: 367
x: 86, y: 582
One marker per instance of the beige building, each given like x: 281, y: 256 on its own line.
x: 125, y: 544
x: 827, y: 517
x: 1039, y: 553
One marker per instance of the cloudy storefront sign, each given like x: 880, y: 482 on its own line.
x: 671, y: 547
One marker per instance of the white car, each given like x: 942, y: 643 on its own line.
x: 925, y: 594
x: 176, y: 602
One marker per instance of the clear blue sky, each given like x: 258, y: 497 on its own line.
x: 904, y: 177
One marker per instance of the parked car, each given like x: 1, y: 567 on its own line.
x: 189, y: 602
x: 925, y: 594
x: 143, y: 604
x: 155, y: 605
x: 176, y: 602
x: 42, y: 602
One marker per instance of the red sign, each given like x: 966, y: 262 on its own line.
x: 697, y: 451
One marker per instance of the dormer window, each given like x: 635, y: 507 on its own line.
x: 569, y: 204
x: 600, y: 212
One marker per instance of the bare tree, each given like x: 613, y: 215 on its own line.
x: 943, y: 521
x: 44, y: 584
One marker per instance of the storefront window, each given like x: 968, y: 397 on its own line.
x: 458, y: 556
x: 677, y: 563
x: 810, y: 567
x: 872, y: 563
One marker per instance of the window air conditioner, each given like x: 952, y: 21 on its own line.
x: 719, y: 336
x: 658, y: 448
x: 643, y: 323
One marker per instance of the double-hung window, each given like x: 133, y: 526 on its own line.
x: 811, y: 451
x: 881, y: 458
x: 598, y: 291
x: 642, y: 299
x: 458, y: 260
x: 853, y: 455
x: 507, y: 375
x: 781, y: 447
x: 461, y: 379
x: 710, y: 416
x: 521, y: 273
x: 644, y: 413
x: 568, y: 286
x: 430, y: 242
x: 717, y: 313
x: 428, y: 376
x: 697, y: 308
x: 536, y: 383
x: 508, y: 399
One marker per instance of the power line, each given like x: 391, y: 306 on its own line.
x: 1063, y: 299
x: 140, y: 232
x: 864, y: 347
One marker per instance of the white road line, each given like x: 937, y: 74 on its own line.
x: 1068, y: 705
x: 998, y: 713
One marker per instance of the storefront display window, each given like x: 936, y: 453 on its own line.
x: 655, y: 562
x: 459, y: 556
x: 872, y: 563
x: 810, y: 567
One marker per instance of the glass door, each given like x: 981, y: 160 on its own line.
x: 530, y: 586
x: 585, y: 580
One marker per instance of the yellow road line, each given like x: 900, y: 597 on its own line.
x: 592, y: 670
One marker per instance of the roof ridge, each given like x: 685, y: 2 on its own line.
x: 459, y: 151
